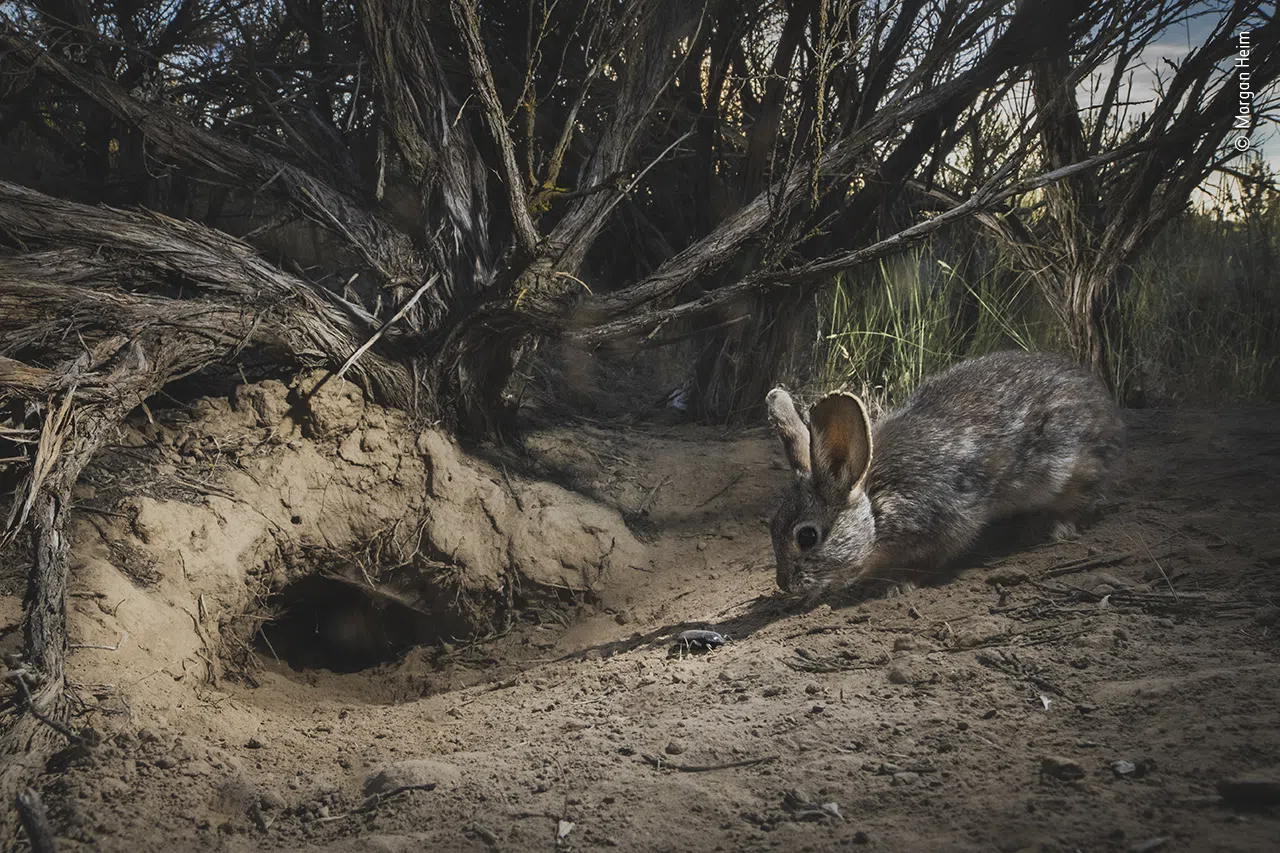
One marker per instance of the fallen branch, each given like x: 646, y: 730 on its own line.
x: 404, y: 309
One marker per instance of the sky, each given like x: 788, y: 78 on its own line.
x: 1175, y: 45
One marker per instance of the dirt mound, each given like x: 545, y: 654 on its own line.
x: 1114, y: 693
x: 358, y: 533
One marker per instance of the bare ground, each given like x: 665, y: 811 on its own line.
x: 1079, y: 696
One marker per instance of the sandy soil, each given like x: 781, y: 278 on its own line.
x: 1088, y: 695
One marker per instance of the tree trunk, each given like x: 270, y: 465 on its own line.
x: 39, y: 730
x: 1085, y: 310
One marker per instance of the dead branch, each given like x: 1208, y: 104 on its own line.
x: 302, y: 321
x: 387, y: 251
x: 468, y: 23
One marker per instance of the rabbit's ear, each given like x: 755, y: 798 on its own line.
x: 841, y: 446
x: 790, y: 428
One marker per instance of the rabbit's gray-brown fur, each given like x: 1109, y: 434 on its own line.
x: 986, y: 439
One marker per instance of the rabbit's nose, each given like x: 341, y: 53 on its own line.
x: 784, y: 577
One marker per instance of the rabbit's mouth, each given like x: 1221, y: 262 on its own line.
x: 804, y: 584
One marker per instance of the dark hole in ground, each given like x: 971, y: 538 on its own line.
x: 331, y: 624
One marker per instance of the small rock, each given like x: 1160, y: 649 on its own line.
x: 1123, y: 768
x: 861, y: 837
x: 1008, y: 576
x: 904, y: 644
x: 148, y: 736
x: 1061, y: 768
x: 419, y: 772
x: 796, y: 798
x: 812, y: 688
x: 675, y: 747
x: 900, y: 673
x: 270, y: 800
x: 989, y: 715
x: 253, y: 743
x: 323, y: 811
x: 622, y: 617
x: 817, y: 708
x: 164, y: 762
x: 770, y: 691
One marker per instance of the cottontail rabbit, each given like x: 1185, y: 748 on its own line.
x: 986, y: 439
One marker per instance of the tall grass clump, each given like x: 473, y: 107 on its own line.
x: 885, y: 329
x: 1196, y: 317
x: 1198, y: 320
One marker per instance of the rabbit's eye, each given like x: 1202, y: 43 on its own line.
x: 807, y: 537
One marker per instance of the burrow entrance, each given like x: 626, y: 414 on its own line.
x: 327, y: 623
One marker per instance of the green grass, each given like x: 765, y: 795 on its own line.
x: 1198, y: 321
x: 884, y: 332
x: 1198, y: 318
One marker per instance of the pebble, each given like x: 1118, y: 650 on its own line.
x: 271, y: 800
x: 904, y: 644
x: 675, y: 747
x: 1008, y: 576
x: 900, y: 673
x: 1123, y: 768
x: 414, y: 772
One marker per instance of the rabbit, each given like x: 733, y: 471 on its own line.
x: 986, y: 439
